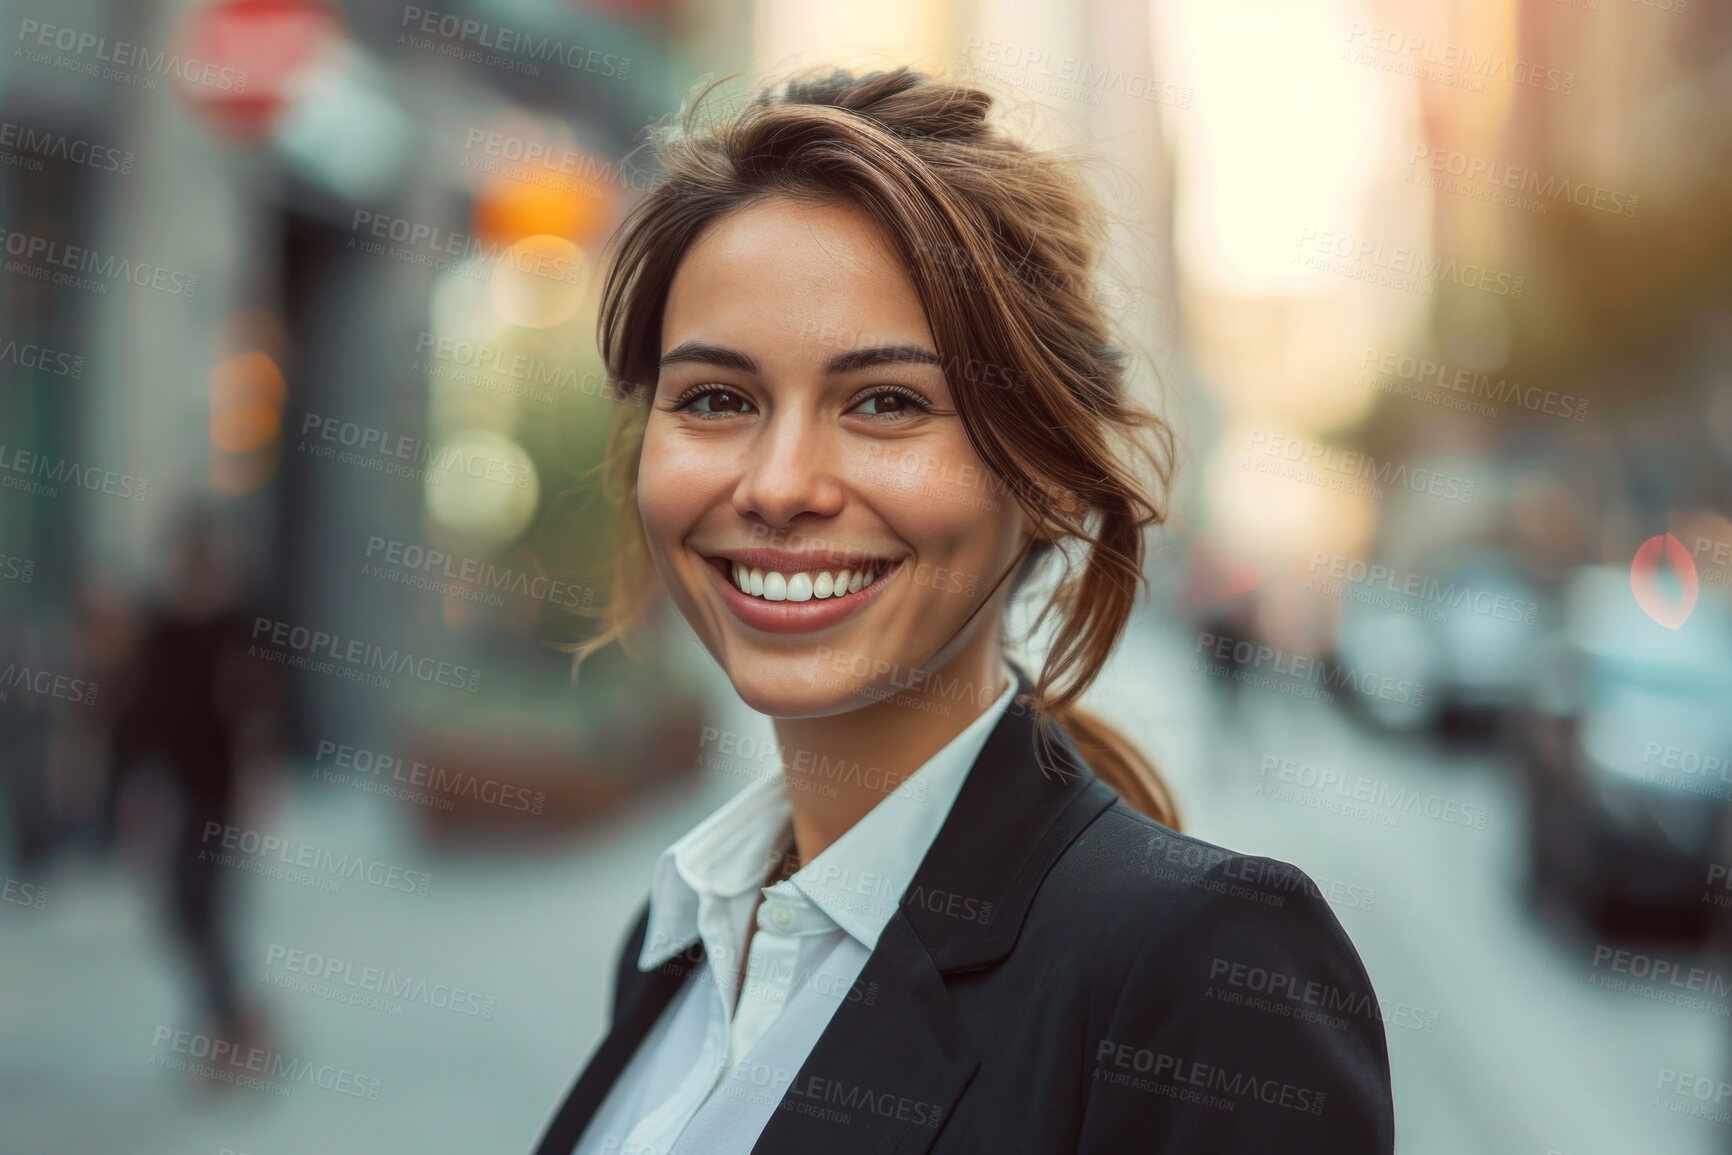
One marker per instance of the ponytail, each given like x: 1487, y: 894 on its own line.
x: 1112, y: 757
x: 1118, y: 763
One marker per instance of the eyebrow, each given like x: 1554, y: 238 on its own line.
x: 704, y: 353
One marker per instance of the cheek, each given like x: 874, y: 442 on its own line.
x: 907, y: 476
x: 940, y: 500
x: 676, y: 484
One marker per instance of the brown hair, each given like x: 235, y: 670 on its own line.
x: 1000, y: 242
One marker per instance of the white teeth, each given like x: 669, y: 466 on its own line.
x: 800, y: 587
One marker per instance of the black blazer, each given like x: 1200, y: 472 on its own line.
x: 1065, y: 974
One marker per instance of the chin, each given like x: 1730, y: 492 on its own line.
x: 801, y: 689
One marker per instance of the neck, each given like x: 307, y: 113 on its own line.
x: 889, y: 739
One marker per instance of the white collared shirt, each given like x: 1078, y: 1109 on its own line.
x: 707, y: 1076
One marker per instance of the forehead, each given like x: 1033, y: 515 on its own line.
x: 793, y: 274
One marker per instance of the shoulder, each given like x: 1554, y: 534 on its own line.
x: 1234, y: 988
x: 1178, y: 886
x: 1172, y: 918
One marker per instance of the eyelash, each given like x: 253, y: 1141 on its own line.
x: 683, y: 402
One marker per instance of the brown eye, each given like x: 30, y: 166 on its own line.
x: 889, y: 402
x: 883, y: 403
x: 713, y: 401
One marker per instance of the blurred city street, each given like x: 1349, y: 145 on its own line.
x: 325, y: 377
x: 1524, y: 1056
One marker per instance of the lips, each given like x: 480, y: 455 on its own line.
x: 803, y: 585
x: 782, y: 593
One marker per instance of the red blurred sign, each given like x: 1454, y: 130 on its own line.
x: 1651, y: 593
x: 251, y: 48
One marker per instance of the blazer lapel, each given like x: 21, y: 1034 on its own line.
x: 642, y: 998
x: 885, y: 1075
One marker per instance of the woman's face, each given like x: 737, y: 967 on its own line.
x: 802, y: 442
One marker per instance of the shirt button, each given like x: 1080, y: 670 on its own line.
x: 779, y: 915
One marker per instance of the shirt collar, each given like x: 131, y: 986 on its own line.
x: 857, y: 881
x: 725, y: 855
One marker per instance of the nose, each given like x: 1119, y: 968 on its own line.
x: 791, y: 470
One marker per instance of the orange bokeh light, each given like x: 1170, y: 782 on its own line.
x: 524, y: 201
x: 247, y: 393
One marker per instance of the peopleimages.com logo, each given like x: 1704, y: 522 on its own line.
x: 1414, y: 52
x: 59, y: 471
x: 436, y: 247
x: 1347, y: 470
x: 261, y: 853
x: 401, y: 454
x: 29, y: 894
x: 74, y: 260
x: 1386, y: 587
x: 1186, y: 1080
x: 120, y: 60
x: 354, y: 656
x: 1435, y: 380
x: 359, y: 766
x: 1358, y: 796
x: 1397, y: 266
x: 1499, y: 175
x: 26, y: 147
x: 538, y: 162
x: 256, y: 1068
x: 510, y: 49
x: 40, y: 357
x: 46, y: 683
x: 342, y: 980
x: 414, y: 564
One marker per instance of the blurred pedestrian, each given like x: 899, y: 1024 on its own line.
x: 190, y: 702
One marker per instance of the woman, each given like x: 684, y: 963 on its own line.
x: 871, y: 393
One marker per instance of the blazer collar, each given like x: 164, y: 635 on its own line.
x: 894, y: 1066
x: 1029, y: 795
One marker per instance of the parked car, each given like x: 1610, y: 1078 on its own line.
x: 1464, y: 628
x: 1627, y: 748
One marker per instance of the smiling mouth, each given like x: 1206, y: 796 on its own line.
x: 804, y: 585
